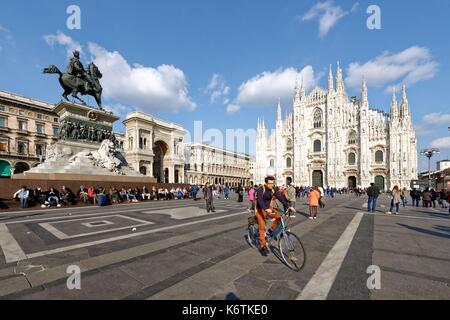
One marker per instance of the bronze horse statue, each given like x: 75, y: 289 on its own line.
x: 74, y: 85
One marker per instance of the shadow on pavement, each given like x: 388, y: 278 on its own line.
x: 426, y: 231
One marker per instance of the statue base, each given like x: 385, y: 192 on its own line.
x: 87, y: 147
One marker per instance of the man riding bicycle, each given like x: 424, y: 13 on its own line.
x: 265, y: 196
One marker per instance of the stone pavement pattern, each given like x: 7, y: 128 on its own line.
x: 175, y: 250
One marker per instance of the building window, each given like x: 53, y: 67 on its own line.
x: 40, y: 116
x: 318, y: 116
x: 2, y: 108
x: 22, y: 125
x: 317, y: 146
x: 2, y: 122
x: 289, y: 145
x: 40, y: 128
x: 21, y: 148
x: 21, y: 113
x: 288, y: 163
x: 272, y: 163
x: 39, y: 150
x: 56, y: 120
x: 351, y: 158
x: 3, y: 146
x: 55, y: 131
x: 352, y: 137
x: 379, y: 156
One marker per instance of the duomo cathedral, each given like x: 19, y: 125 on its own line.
x: 332, y: 140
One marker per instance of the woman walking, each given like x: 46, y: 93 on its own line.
x: 313, y: 197
x: 395, y: 200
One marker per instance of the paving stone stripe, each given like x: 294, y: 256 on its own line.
x: 127, y: 236
x: 11, y: 249
x: 126, y: 209
x: 207, y: 283
x: 320, y: 284
x: 59, y: 272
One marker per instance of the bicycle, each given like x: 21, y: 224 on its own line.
x: 291, y: 250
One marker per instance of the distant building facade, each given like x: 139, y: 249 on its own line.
x: 27, y: 127
x: 205, y: 163
x: 155, y: 147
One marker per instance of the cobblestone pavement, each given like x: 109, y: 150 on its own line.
x: 175, y: 250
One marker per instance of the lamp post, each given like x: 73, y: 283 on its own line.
x: 429, y: 153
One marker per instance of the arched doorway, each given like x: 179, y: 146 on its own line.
x: 351, y: 182
x: 160, y: 149
x: 166, y: 175
x: 21, y: 167
x: 317, y: 178
x: 177, y: 176
x: 5, y: 169
x: 379, y: 181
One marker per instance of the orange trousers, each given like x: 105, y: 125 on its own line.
x: 261, y: 216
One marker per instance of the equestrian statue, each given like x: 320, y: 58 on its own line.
x: 77, y: 80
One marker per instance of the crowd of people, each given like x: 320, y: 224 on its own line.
x: 399, y: 197
x: 316, y: 196
x: 90, y: 195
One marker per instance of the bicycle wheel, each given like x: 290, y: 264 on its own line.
x: 250, y: 237
x: 292, y: 251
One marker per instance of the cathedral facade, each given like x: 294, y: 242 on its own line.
x: 332, y: 140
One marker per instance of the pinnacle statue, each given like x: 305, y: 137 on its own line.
x: 77, y: 80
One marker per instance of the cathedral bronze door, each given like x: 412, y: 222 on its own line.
x: 379, y: 181
x: 351, y: 182
x: 317, y: 178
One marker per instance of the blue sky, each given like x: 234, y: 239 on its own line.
x: 227, y: 62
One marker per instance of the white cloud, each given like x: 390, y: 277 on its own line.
x: 5, y: 36
x: 437, y: 118
x: 160, y: 89
x: 410, y: 66
x: 63, y: 40
x: 327, y: 14
x: 118, y: 109
x: 6, y: 33
x: 265, y: 88
x: 441, y: 143
x: 355, y: 7
x: 429, y: 122
x: 233, y: 108
x: 218, y: 89
x: 149, y: 89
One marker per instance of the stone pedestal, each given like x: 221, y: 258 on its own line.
x: 85, y: 149
x: 82, y: 127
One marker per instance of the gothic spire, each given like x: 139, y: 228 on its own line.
x: 394, y: 106
x: 296, y: 91
x: 364, y: 95
x: 330, y: 80
x: 404, y: 105
x: 302, y: 89
x: 339, y: 80
x: 279, y: 119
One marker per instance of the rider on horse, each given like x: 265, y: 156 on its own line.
x: 76, y: 69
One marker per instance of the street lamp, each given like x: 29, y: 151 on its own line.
x: 429, y: 153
